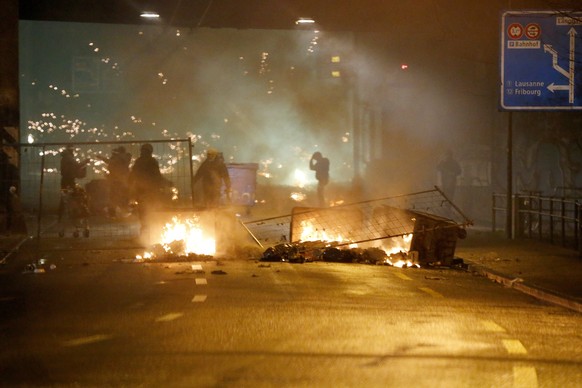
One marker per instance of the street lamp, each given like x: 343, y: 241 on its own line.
x: 304, y: 21
x: 149, y: 15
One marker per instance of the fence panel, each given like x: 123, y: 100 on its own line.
x: 550, y: 219
x: 358, y: 222
x: 41, y: 194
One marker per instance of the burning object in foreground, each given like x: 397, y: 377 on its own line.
x: 419, y: 229
x: 307, y: 252
x: 183, y: 236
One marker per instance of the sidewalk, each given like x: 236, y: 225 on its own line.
x: 545, y: 271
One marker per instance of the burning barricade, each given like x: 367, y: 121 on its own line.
x: 310, y: 251
x: 414, y: 230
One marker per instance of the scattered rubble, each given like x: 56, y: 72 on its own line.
x: 324, y: 251
x: 311, y: 251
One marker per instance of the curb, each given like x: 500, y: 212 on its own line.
x: 519, y: 285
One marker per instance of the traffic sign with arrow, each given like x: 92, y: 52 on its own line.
x: 540, y: 60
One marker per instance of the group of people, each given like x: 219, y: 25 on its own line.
x: 143, y: 181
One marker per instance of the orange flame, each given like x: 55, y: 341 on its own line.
x: 311, y: 233
x: 183, y: 237
x: 396, y: 248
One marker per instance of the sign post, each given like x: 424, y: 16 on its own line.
x: 541, y: 69
x: 541, y: 60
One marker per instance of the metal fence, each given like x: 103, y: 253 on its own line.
x: 359, y: 222
x: 553, y: 219
x: 41, y: 196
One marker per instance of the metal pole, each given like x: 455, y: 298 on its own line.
x: 509, y: 212
x: 190, y: 146
x: 39, y: 216
x: 563, y: 218
x: 540, y: 219
x: 552, y: 220
x: 493, y: 210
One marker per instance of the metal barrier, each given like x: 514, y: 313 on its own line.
x: 552, y: 219
x: 429, y: 218
x: 40, y: 183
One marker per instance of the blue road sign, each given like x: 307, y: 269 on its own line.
x: 541, y: 60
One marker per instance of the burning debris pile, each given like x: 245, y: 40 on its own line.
x: 405, y: 231
x: 182, y: 239
x: 310, y: 251
x: 173, y: 251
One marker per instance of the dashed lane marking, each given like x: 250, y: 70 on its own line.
x: 201, y: 281
x: 431, y: 292
x: 492, y: 326
x: 169, y: 317
x: 402, y: 276
x: 199, y: 298
x: 525, y: 377
x: 86, y: 340
x: 196, y: 267
x: 514, y: 346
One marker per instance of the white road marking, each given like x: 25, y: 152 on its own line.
x: 492, y: 326
x: 402, y: 276
x: 169, y: 317
x: 525, y: 376
x: 514, y: 346
x: 87, y: 340
x: 201, y: 281
x: 199, y: 298
x: 431, y: 292
x: 196, y: 267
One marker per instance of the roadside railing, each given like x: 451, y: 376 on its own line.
x: 553, y: 219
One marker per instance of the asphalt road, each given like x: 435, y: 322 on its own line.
x: 95, y: 319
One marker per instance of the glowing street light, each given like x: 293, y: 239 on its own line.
x: 149, y: 15
x: 304, y: 21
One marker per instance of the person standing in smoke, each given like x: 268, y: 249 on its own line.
x: 449, y: 170
x: 146, y: 183
x: 71, y: 170
x: 118, y: 167
x: 320, y: 165
x: 212, y: 173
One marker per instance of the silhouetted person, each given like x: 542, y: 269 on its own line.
x: 449, y: 170
x: 8, y: 188
x: 71, y: 170
x: 320, y: 165
x: 213, y: 173
x: 146, y: 183
x: 118, y: 167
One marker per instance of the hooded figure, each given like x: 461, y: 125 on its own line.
x: 146, y: 182
x: 320, y: 165
x: 71, y: 169
x: 213, y: 173
x: 449, y: 170
x: 118, y: 168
